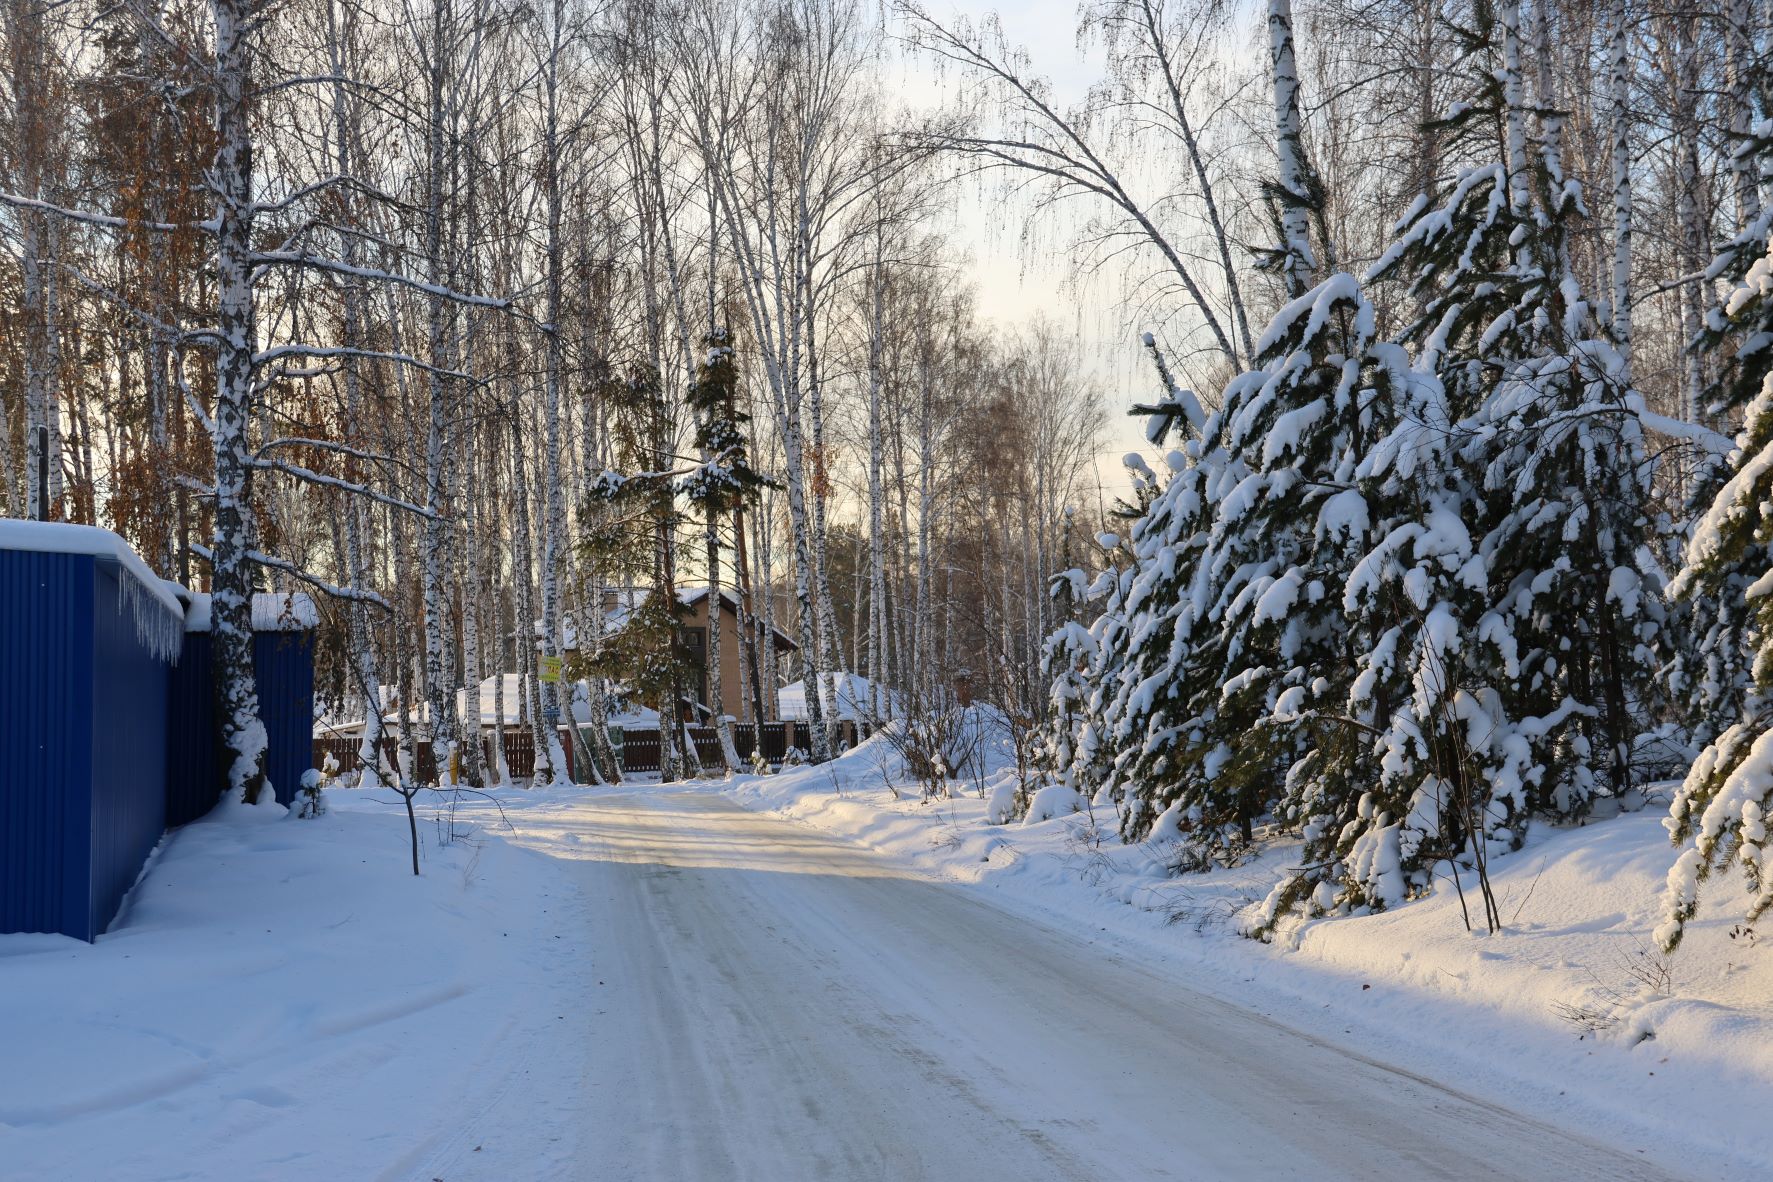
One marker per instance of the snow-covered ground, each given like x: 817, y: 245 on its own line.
x: 1568, y: 1012
x: 280, y: 999
x: 651, y: 983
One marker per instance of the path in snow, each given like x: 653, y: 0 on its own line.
x: 768, y: 1003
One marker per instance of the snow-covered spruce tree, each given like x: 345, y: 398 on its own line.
x: 1095, y: 751
x: 1142, y: 685
x: 723, y: 483
x: 1510, y: 601
x: 1720, y: 811
x: 1381, y: 809
x: 1552, y: 433
x: 624, y: 528
x: 1347, y: 394
x: 1711, y: 673
x: 1273, y: 651
x: 1064, y: 656
x: 1555, y: 441
x: 1246, y: 621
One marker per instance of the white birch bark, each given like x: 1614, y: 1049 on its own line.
x: 760, y: 524
x: 1683, y: 65
x: 1619, y: 141
x: 1550, y: 125
x: 1297, y: 261
x: 522, y: 549
x: 922, y: 652
x: 437, y: 439
x: 242, y: 733
x: 30, y: 106
x: 473, y: 670
x: 554, y: 528
x: 1508, y: 15
x: 1739, y: 68
x: 605, y: 767
x: 877, y: 671
x: 361, y: 636
x: 828, y: 657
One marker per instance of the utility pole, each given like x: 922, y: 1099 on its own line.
x: 42, y: 472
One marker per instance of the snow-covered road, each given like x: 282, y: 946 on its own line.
x: 764, y: 1002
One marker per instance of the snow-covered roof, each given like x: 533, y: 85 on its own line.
x: 852, y: 690
x: 489, y: 692
x: 60, y: 537
x: 142, y: 589
x: 622, y: 713
x: 621, y: 603
x: 272, y: 611
x: 515, y: 689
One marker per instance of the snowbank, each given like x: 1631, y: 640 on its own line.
x: 278, y: 1000
x: 1568, y: 1011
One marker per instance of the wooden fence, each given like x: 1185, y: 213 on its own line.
x: 639, y: 748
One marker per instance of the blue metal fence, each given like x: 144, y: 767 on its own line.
x: 283, y: 663
x: 128, y: 743
x: 104, y: 741
x: 82, y: 741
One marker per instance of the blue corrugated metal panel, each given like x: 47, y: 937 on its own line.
x: 128, y: 779
x: 283, y: 663
x: 192, y: 787
x: 45, y: 741
x: 82, y: 744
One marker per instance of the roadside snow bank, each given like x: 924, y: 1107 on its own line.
x: 276, y: 1001
x: 1568, y: 1010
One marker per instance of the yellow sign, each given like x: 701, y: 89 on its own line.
x: 550, y: 669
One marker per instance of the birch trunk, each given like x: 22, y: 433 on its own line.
x: 1550, y: 122
x: 821, y: 551
x: 921, y: 652
x: 767, y: 631
x: 1297, y: 262
x: 406, y: 749
x: 361, y: 637
x: 242, y: 734
x: 473, y: 671
x: 747, y: 621
x: 1619, y: 135
x: 1739, y: 68
x: 605, y: 767
x: 716, y: 687
x: 1508, y: 15
x: 437, y: 440
x: 877, y: 672
x: 30, y: 119
x: 495, y: 532
x: 1683, y: 83
x: 524, y: 627
x: 554, y: 531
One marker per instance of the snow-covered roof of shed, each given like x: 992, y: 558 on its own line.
x: 272, y: 611
x: 60, y: 537
x: 141, y: 587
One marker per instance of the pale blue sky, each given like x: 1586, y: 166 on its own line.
x: 1014, y: 283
